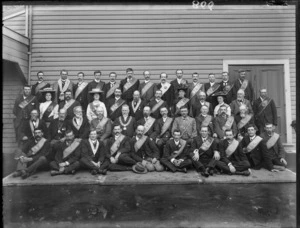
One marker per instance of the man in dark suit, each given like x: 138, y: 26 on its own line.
x: 232, y: 156
x: 109, y: 87
x: 79, y: 124
x: 129, y: 85
x: 195, y: 109
x: 148, y: 122
x: 210, y: 89
x: 23, y: 106
x: 68, y: 104
x: 39, y: 86
x: 179, y: 81
x: 226, y: 88
x: 136, y: 106
x: 30, y: 125
x: 156, y: 104
x: 167, y: 90
x: 80, y: 90
x: 206, y: 120
x: 181, y: 101
x: 256, y: 150
x: 145, y: 151
x: 66, y: 156
x: 61, y: 86
x: 244, y: 84
x: 32, y: 155
x: 235, y: 104
x: 147, y: 88
x: 94, y: 155
x: 58, y: 127
x: 114, y: 105
x: 265, y: 111
x: 194, y: 89
x: 274, y: 147
x: 204, y: 154
x: 127, y: 122
x: 175, y: 156
x: 96, y: 83
x: 102, y: 126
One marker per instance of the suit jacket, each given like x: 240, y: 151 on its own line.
x: 24, y: 114
x: 243, y: 130
x: 82, y: 97
x: 107, y: 129
x: 147, y: 150
x: 139, y: 112
x: 235, y: 106
x: 249, y: 92
x: 130, y: 128
x: 189, y: 91
x: 58, y: 150
x: 70, y: 112
x: 269, y: 115
x: 150, y: 92
x: 55, y: 131
x: 38, y: 95
x: 93, y: 84
x: 187, y: 127
x: 150, y: 133
x: 178, y: 109
x: 156, y: 114
x: 169, y: 149
x: 118, y: 112
x: 106, y: 88
x: 87, y: 152
x: 168, y: 95
x: 128, y: 94
x: 176, y: 86
x: 124, y: 148
x: 48, y: 111
x: 236, y: 156
x: 196, y: 109
x: 229, y: 97
x: 158, y: 129
x: 83, y: 131
x: 57, y: 92
x: 44, y: 151
x: 199, y: 119
x: 260, y: 154
x: 27, y: 130
x: 197, y: 143
x: 219, y: 122
x: 277, y: 151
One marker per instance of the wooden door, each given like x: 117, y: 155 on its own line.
x: 270, y: 77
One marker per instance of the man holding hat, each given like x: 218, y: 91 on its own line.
x: 91, y: 112
x: 39, y: 86
x: 68, y: 104
x: 244, y: 84
x: 156, y: 104
x: 96, y: 83
x: 129, y: 85
x: 196, y: 107
x: 147, y: 88
x: 80, y: 90
x: 79, y: 124
x: 61, y: 86
x: 181, y: 100
x: 47, y: 106
x: 102, y: 125
x: 264, y: 110
x: 114, y: 105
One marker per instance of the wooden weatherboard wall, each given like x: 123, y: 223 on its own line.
x: 16, y: 21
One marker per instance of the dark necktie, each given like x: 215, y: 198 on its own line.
x: 63, y: 84
x: 95, y: 144
x: 134, y: 103
x: 111, y: 85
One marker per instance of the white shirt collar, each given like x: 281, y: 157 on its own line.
x: 125, y: 117
x: 204, y: 138
x: 117, y: 98
x: 97, y: 80
x: 251, y: 138
x: 147, y: 81
x: 179, y: 80
x: 176, y: 143
x: 164, y: 118
x: 211, y: 83
x: 158, y: 100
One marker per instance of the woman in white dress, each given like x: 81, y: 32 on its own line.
x: 93, y: 106
x: 47, y: 106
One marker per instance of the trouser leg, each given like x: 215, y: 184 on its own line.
x: 105, y: 164
x: 241, y: 165
x: 125, y: 159
x: 54, y: 165
x: 40, y: 162
x: 168, y: 164
x: 118, y: 167
x: 185, y: 164
x: 87, y: 164
x: 276, y: 161
x: 198, y: 165
x: 72, y: 167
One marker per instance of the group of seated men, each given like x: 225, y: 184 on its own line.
x: 146, y: 126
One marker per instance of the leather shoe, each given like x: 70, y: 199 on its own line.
x: 209, y: 171
x: 18, y: 173
x: 94, y: 172
x: 183, y: 170
x: 55, y: 172
x: 25, y: 174
x: 204, y: 173
x: 243, y: 173
x: 103, y: 172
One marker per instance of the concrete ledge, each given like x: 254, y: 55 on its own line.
x: 130, y: 178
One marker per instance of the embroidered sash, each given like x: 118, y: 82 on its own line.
x: 206, y: 121
x: 166, y: 126
x: 94, y: 149
x: 112, y: 90
x: 244, y: 84
x: 148, y: 124
x: 70, y: 149
x: 124, y: 125
x: 227, y: 89
x: 146, y: 88
x: 24, y: 103
x: 253, y: 144
x: 183, y: 144
x: 139, y: 143
x: 77, y: 125
x: 263, y: 105
x: 115, y: 106
x: 164, y: 88
x: 54, y: 112
x: 212, y: 89
x: 181, y: 103
x: 206, y: 145
x: 271, y: 142
x: 231, y: 147
x: 101, y: 124
x: 69, y: 104
x: 32, y: 127
x: 156, y: 106
x: 42, y: 111
x: 80, y: 89
x: 137, y: 105
x: 67, y: 83
x: 228, y: 123
x: 34, y: 150
x: 244, y: 121
x: 40, y: 86
x: 128, y: 85
x: 196, y: 89
x: 115, y: 146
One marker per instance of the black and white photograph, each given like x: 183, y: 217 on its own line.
x: 150, y: 114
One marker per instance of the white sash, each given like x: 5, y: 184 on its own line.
x: 77, y: 125
x: 271, y: 142
x: 43, y: 107
x: 231, y: 147
x: 253, y: 143
x: 80, y: 88
x: 69, y: 104
x: 32, y: 127
x: 164, y: 88
x: 196, y: 89
x: 128, y: 85
x: 150, y: 121
x: 137, y: 105
x: 146, y: 88
x: 67, y: 83
x: 92, y: 146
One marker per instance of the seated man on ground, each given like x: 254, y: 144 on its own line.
x: 145, y: 151
x: 93, y: 155
x: 32, y: 155
x: 204, y: 154
x: 232, y: 155
x: 175, y: 157
x: 67, y: 155
x: 274, y: 147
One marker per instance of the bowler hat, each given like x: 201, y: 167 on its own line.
x: 139, y: 168
x: 96, y: 90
